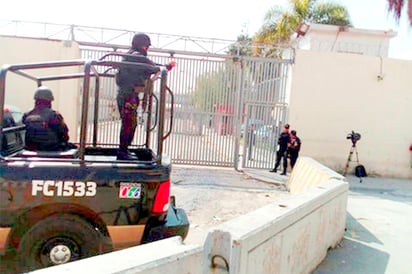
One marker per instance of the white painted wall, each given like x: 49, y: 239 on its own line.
x: 20, y: 91
x: 334, y: 93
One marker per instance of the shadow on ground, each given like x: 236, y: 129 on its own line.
x: 354, y: 254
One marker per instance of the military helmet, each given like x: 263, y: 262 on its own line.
x: 140, y: 40
x: 43, y: 93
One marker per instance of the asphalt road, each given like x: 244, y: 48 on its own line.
x: 378, y: 233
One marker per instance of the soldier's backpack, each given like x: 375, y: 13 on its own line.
x: 360, y: 171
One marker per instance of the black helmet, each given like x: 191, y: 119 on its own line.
x: 43, y: 93
x: 140, y: 40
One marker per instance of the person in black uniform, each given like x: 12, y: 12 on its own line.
x: 132, y: 88
x: 283, y: 142
x: 45, y: 127
x: 294, y: 148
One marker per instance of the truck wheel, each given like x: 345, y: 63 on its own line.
x: 57, y: 240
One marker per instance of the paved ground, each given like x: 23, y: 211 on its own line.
x: 378, y: 233
x: 379, y: 229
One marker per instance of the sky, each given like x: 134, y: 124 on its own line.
x: 224, y: 19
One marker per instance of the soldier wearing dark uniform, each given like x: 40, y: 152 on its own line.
x: 294, y: 148
x: 45, y: 127
x: 283, y: 142
x: 131, y: 82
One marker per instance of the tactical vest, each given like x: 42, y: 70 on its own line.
x: 39, y: 133
x: 128, y: 76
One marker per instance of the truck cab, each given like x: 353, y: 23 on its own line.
x: 61, y: 206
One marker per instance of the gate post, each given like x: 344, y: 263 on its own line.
x: 239, y: 110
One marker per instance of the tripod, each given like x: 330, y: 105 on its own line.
x: 352, y: 150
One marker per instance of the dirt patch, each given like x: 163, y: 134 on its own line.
x: 211, y: 196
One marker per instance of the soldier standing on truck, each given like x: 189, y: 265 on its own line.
x: 132, y: 88
x: 45, y: 127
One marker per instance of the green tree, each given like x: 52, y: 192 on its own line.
x: 209, y: 90
x: 242, y: 46
x: 217, y: 87
x: 396, y: 6
x: 279, y: 23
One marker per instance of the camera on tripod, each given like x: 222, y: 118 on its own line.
x: 354, y: 137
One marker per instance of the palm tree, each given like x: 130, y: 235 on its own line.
x: 279, y: 24
x: 242, y: 46
x: 396, y: 6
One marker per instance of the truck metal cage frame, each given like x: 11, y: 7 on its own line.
x: 97, y: 69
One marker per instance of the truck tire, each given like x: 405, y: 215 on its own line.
x: 57, y: 240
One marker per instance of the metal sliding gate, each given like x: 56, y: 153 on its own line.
x: 227, y: 111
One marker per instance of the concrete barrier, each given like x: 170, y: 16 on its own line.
x: 160, y: 257
x: 288, y: 236
x: 308, y: 173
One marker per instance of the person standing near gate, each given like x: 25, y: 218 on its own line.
x: 131, y: 81
x: 132, y: 88
x: 294, y: 148
x: 283, y: 141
